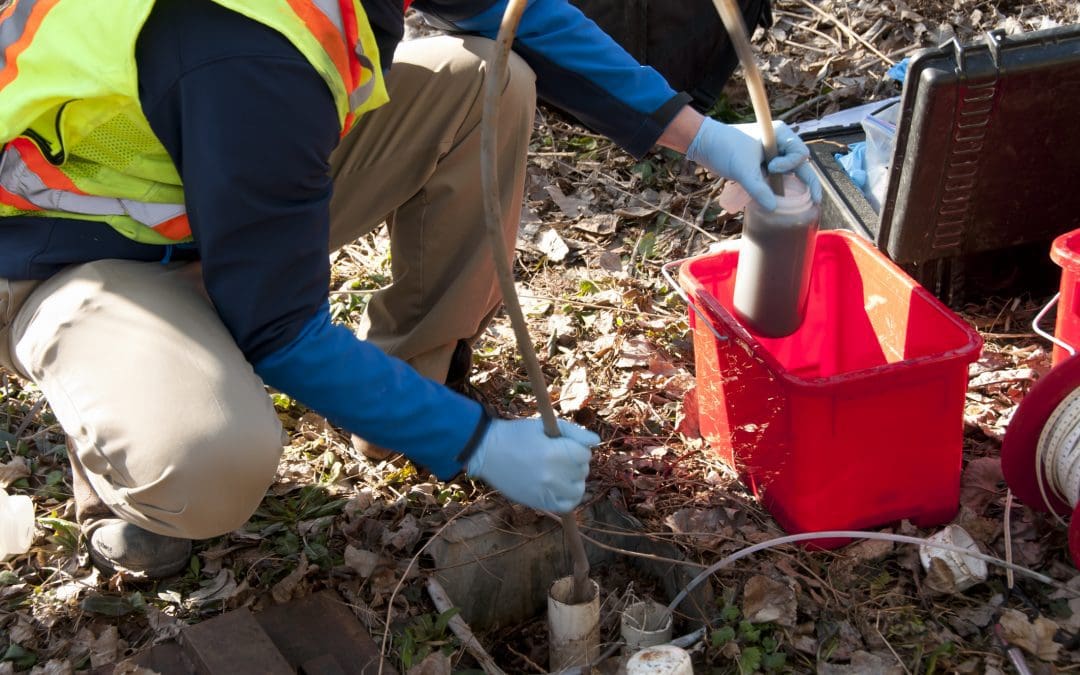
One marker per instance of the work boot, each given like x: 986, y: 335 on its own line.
x: 370, y: 450
x: 116, y: 545
x: 457, y: 375
x: 457, y: 379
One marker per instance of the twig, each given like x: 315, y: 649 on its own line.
x: 807, y: 47
x: 736, y: 29
x: 582, y: 589
x: 461, y: 629
x: 808, y: 29
x: 847, y: 31
x: 827, y: 96
x: 29, y: 417
x: 1008, y: 537
x: 897, y: 656
x: 532, y: 664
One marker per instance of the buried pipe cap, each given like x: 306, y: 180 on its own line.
x: 660, y: 660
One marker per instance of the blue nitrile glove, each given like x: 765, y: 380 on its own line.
x: 734, y: 151
x: 518, y: 459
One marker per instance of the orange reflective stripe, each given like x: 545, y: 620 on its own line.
x: 49, y: 174
x: 16, y: 201
x: 175, y: 228
x: 328, y: 36
x: 348, y: 18
x: 18, y: 25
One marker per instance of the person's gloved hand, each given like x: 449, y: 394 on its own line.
x: 734, y: 151
x: 518, y: 459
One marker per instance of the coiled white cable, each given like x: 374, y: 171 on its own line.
x: 1057, y: 455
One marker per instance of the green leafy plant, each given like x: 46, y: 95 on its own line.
x: 424, y: 635
x: 758, y: 646
x: 20, y: 658
x: 65, y: 534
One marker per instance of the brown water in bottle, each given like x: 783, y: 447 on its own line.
x: 776, y: 254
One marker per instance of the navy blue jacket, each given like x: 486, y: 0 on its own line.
x: 251, y: 126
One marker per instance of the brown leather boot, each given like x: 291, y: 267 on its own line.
x: 370, y: 450
x: 116, y: 545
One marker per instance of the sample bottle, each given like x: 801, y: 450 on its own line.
x: 776, y: 254
x: 16, y: 524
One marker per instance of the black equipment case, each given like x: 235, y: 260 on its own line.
x: 986, y: 166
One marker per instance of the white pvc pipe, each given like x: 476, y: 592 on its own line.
x: 646, y: 623
x: 573, y: 628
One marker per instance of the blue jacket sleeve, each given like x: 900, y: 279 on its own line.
x: 579, y: 68
x: 355, y: 386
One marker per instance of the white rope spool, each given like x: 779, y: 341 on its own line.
x: 1057, y: 456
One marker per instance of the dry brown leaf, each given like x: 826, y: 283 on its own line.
x: 572, y: 207
x: 165, y: 627
x: 868, y: 550
x: 981, y: 483
x: 54, y: 667
x: 221, y: 587
x: 552, y: 245
x: 22, y: 631
x: 635, y: 353
x: 600, y: 223
x: 435, y: 663
x: 769, y: 601
x: 284, y: 589
x: 105, y: 647
x: 1035, y: 638
x: 689, y: 423
x: 126, y: 667
x: 575, y: 392
x: 405, y: 535
x: 13, y: 471
x: 864, y: 663
x: 361, y: 561
x: 636, y: 211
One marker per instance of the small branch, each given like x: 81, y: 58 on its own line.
x: 895, y: 655
x: 461, y: 629
x: 847, y: 31
x: 30, y: 416
x: 827, y: 96
x: 505, y: 275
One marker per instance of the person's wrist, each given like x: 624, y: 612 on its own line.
x: 471, y: 457
x: 681, y: 131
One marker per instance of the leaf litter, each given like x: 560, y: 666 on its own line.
x: 617, y: 351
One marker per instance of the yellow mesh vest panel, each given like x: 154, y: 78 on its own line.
x: 78, y: 75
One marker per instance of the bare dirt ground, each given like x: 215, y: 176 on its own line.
x: 617, y: 351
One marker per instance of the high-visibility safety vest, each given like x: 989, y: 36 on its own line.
x: 75, y: 141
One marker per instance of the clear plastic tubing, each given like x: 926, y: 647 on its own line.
x: 772, y: 280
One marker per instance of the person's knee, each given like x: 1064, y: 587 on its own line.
x: 473, y: 54
x: 521, y: 86
x: 222, y: 480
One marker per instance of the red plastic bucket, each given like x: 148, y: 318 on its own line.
x: 1065, y: 251
x: 856, y: 419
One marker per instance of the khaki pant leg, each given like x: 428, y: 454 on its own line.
x: 173, y: 427
x: 415, y: 162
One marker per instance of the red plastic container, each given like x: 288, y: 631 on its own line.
x: 856, y: 419
x: 1065, y: 251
